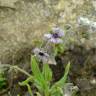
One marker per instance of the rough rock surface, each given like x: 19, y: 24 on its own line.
x: 23, y: 21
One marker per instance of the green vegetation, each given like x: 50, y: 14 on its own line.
x: 42, y: 80
x: 2, y: 79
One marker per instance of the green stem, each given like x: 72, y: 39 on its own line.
x: 29, y: 90
x: 46, y: 92
x: 15, y: 67
x: 21, y: 70
x: 29, y: 79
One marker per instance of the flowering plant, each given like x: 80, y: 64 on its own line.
x: 42, y: 80
x: 42, y: 77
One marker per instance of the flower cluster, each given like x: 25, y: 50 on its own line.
x: 55, y: 36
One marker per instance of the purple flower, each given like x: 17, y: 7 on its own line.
x: 41, y: 54
x: 44, y: 56
x: 55, y: 36
x: 56, y: 40
x: 58, y: 31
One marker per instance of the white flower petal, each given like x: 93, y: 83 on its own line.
x: 59, y: 40
x: 36, y: 51
x: 56, y: 40
x: 61, y: 33
x: 58, y: 30
x: 48, y: 36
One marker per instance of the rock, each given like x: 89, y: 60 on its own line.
x: 19, y: 28
x: 83, y: 69
x: 8, y: 3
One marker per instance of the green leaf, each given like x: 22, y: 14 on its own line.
x: 40, y: 82
x: 47, y: 73
x: 38, y: 78
x: 57, y: 92
x: 38, y: 94
x: 60, y: 48
x: 18, y: 95
x: 2, y: 85
x: 29, y: 79
x: 62, y: 81
x: 29, y: 90
x: 2, y: 80
x: 39, y: 85
x: 55, y: 51
x: 35, y: 67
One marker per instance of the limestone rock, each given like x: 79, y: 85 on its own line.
x: 8, y: 3
x: 31, y: 19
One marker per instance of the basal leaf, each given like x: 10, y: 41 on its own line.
x: 38, y: 76
x: 62, y: 81
x: 47, y: 72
